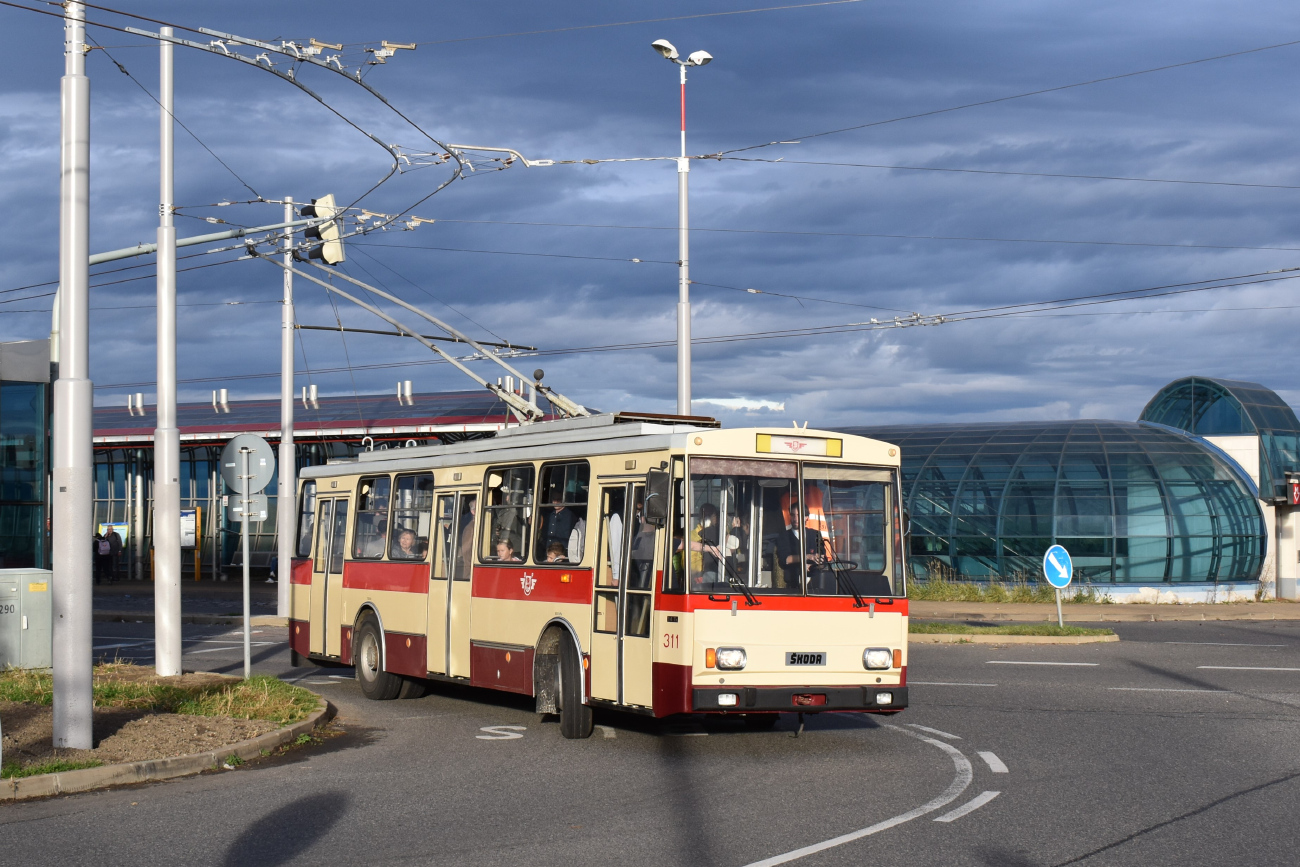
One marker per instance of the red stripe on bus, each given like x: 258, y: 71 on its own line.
x: 405, y: 654
x: 672, y: 688
x: 300, y: 636
x: 532, y: 583
x: 701, y: 602
x: 401, y: 577
x: 505, y: 668
x: 300, y: 573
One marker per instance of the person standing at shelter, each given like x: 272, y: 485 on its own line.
x: 114, y: 550
x: 101, y: 549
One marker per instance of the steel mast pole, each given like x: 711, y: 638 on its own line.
x: 286, y: 501
x: 683, y: 271
x: 72, y: 515
x: 166, y: 438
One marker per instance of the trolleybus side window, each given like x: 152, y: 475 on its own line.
x: 306, y: 516
x: 562, y: 513
x: 675, y: 574
x: 508, y: 513
x: 412, y: 511
x: 446, y: 536
x: 372, y: 518
x: 463, y: 552
x: 852, y: 511
x: 337, y: 545
x: 613, y: 506
x: 323, y: 535
x: 745, y: 527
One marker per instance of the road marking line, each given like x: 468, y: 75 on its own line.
x: 1245, y: 668
x: 941, y: 734
x: 942, y: 683
x: 687, y: 734
x: 1225, y: 644
x: 969, y: 807
x: 958, y: 785
x: 227, y: 649
x: 111, y: 646
x: 608, y: 732
x: 995, y: 764
x: 1160, y: 689
x: 1018, y: 662
x: 501, y: 733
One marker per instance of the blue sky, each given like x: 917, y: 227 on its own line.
x: 806, y: 230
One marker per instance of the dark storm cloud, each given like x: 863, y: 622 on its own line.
x: 602, y: 93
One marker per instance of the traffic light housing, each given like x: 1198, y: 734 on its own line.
x: 329, y: 235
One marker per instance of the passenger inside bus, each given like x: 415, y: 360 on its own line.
x: 705, y: 555
x: 506, y: 551
x: 557, y: 553
x: 408, y: 547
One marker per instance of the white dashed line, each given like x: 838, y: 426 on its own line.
x: 112, y: 646
x: 995, y: 764
x: 1245, y: 668
x: 1019, y: 662
x: 1224, y: 644
x: 969, y: 807
x: 1159, y: 689
x: 943, y: 683
x: 935, y: 732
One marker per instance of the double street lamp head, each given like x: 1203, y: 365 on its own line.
x: 669, y: 52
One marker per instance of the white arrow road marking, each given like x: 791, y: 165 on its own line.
x: 935, y: 732
x: 969, y: 807
x: 995, y: 764
x: 501, y: 733
x: 959, y: 783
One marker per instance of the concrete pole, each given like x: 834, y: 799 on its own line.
x: 683, y: 271
x: 72, y: 516
x: 166, y: 438
x: 246, y: 510
x: 140, y: 517
x: 286, y: 502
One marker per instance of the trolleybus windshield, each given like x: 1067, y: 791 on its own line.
x: 833, y: 531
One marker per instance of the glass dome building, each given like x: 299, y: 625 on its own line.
x: 1132, y: 502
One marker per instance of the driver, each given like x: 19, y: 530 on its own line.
x: 808, y: 532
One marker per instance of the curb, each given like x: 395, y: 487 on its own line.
x: 959, y: 638
x: 45, y: 785
x: 196, y: 619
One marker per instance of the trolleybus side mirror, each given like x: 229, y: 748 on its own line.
x: 656, y: 497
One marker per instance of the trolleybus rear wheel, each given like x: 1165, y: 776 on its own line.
x: 575, y: 717
x: 376, y: 683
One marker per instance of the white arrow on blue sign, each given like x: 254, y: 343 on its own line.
x: 1057, y: 567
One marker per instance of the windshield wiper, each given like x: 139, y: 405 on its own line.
x: 734, y: 580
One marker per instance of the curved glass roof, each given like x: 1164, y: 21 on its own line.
x: 1130, y: 502
x: 1209, y: 407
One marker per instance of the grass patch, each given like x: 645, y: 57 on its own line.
x: 122, y: 686
x: 941, y: 586
x: 13, y: 770
x: 930, y: 627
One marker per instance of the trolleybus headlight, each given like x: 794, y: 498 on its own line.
x: 731, y: 658
x: 877, y: 658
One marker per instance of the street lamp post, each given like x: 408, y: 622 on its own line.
x: 698, y: 58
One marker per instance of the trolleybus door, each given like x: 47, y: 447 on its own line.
x: 327, y: 564
x: 620, y: 641
x: 449, y: 585
x: 458, y: 605
x: 331, y: 622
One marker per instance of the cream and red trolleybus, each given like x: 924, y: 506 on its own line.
x: 652, y: 564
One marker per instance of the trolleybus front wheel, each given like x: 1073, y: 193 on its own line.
x: 376, y: 683
x: 575, y: 717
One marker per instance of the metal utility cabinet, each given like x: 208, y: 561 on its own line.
x: 26, y: 625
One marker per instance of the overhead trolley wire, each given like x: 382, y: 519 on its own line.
x: 995, y: 100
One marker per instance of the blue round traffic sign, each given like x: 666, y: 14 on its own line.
x: 1057, y: 567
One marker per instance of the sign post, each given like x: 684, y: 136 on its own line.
x: 1058, y: 570
x: 247, y: 465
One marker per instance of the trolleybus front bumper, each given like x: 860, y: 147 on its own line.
x: 800, y: 699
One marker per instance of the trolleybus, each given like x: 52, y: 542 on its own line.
x: 653, y: 564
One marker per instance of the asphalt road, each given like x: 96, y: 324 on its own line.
x: 1174, y: 746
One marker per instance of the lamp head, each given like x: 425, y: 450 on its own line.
x: 699, y: 58
x: 666, y: 48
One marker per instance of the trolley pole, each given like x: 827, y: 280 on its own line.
x: 683, y: 270
x: 247, y: 501
x: 167, y: 440
x: 72, y: 515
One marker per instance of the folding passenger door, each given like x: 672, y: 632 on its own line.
x: 327, y: 576
x: 458, y: 606
x: 333, y: 603
x: 620, y: 641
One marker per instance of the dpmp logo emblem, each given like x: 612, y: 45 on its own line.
x: 796, y: 446
x: 528, y: 582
